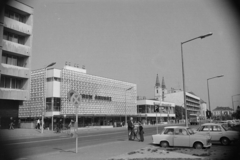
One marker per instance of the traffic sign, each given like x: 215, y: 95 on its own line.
x: 76, y: 99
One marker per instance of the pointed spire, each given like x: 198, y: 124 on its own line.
x: 157, y: 82
x: 163, y: 84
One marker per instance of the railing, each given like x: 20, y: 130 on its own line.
x: 15, y: 47
x: 18, y: 26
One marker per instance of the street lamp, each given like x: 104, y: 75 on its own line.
x: 126, y: 105
x: 232, y: 100
x: 208, y: 90
x: 44, y: 93
x: 184, y: 94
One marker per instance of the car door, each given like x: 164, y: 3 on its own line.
x: 181, y: 137
x: 215, y: 132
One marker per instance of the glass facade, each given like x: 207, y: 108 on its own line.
x: 101, y: 96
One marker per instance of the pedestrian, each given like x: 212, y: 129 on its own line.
x: 19, y: 123
x: 130, y: 129
x: 38, y: 124
x: 71, y: 127
x: 11, y: 124
x: 141, y: 132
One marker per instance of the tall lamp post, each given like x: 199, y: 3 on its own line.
x: 208, y: 90
x: 232, y: 100
x: 126, y: 105
x: 184, y: 93
x: 44, y: 93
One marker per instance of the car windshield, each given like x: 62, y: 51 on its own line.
x: 225, y: 127
x: 190, y: 131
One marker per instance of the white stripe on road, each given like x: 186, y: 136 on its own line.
x: 62, y: 138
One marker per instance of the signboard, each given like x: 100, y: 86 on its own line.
x: 76, y: 99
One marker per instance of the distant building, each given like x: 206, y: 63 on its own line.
x: 146, y: 107
x: 192, y: 101
x: 16, y: 25
x: 160, y: 90
x: 203, y: 109
x: 222, y: 111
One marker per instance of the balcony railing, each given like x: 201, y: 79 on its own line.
x: 17, y: 26
x: 16, y: 48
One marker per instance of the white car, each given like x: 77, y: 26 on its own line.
x: 218, y: 133
x: 181, y: 136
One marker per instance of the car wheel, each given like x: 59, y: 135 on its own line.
x: 164, y: 144
x: 225, y: 141
x: 198, y: 145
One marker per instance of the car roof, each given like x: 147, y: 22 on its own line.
x: 205, y: 124
x: 176, y: 127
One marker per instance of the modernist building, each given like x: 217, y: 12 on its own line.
x: 104, y: 100
x: 16, y: 24
x: 192, y: 101
x: 146, y: 107
x: 146, y: 111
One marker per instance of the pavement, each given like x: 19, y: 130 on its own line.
x: 118, y: 150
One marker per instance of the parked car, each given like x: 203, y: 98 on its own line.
x: 218, y: 132
x: 181, y: 136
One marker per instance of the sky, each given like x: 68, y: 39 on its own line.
x: 134, y: 40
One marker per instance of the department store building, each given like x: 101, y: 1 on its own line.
x: 104, y: 101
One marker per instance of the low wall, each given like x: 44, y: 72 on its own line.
x: 27, y: 125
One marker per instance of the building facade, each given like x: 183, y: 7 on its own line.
x: 104, y: 101
x: 146, y: 111
x: 222, y: 112
x: 203, y: 109
x: 192, y: 101
x: 16, y: 24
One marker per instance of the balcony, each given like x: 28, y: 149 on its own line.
x: 15, y: 48
x: 21, y: 28
x: 14, y: 94
x: 15, y: 71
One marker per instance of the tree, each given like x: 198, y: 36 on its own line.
x: 237, y: 113
x: 179, y: 112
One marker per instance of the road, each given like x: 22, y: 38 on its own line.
x: 36, y: 146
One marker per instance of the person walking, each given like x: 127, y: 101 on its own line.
x: 141, y: 132
x: 130, y: 128
x: 71, y: 125
x: 11, y: 124
x: 38, y: 124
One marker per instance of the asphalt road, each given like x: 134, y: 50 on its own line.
x: 37, y: 146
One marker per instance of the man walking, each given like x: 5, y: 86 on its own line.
x: 130, y: 128
x: 38, y: 124
x: 141, y: 132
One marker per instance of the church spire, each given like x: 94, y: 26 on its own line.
x: 157, y: 82
x: 163, y: 84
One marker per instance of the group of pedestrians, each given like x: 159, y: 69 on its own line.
x: 132, y: 128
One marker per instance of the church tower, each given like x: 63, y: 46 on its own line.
x: 164, y: 89
x: 157, y: 89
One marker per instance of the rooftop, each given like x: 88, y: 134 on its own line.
x: 223, y: 109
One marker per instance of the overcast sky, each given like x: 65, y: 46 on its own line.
x: 134, y: 40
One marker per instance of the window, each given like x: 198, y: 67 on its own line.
x: 215, y: 129
x: 10, y: 82
x: 169, y: 131
x: 13, y: 37
x: 13, y: 15
x: 179, y: 131
x: 12, y: 60
x: 50, y: 79
x: 203, y: 128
